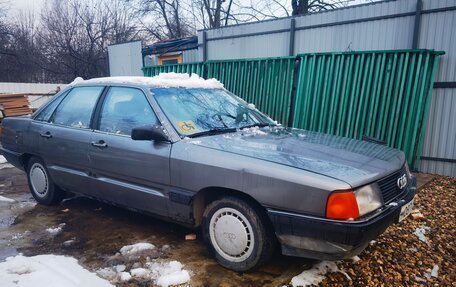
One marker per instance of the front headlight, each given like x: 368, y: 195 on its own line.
x: 369, y: 198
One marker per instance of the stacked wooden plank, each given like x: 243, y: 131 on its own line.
x: 15, y: 104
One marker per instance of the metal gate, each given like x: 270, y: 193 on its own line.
x: 379, y: 94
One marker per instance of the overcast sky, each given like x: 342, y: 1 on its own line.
x: 35, y: 5
x: 25, y: 5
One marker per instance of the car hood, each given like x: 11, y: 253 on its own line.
x: 352, y: 161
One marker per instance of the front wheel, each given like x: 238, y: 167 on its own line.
x: 236, y: 234
x: 40, y: 183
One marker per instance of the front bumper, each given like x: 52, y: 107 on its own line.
x: 326, y: 239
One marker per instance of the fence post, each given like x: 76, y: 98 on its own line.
x: 291, y: 114
x: 416, y: 26
x: 292, y: 37
x: 204, y: 36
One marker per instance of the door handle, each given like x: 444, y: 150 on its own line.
x: 46, y: 135
x: 100, y: 144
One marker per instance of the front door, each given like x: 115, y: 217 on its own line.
x: 128, y: 172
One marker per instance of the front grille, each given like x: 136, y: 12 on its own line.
x: 388, y: 185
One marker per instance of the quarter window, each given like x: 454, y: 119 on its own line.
x: 46, y: 113
x: 76, y: 109
x: 125, y: 109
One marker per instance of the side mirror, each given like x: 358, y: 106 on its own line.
x: 147, y: 133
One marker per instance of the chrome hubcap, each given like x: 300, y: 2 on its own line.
x: 231, y: 234
x: 39, y: 180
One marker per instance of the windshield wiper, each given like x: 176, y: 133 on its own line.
x: 214, y: 131
x: 260, y: 125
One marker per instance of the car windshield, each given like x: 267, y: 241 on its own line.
x: 195, y: 112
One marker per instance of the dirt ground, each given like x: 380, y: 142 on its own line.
x: 94, y: 232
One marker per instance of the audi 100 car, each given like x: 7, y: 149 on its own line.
x: 185, y: 149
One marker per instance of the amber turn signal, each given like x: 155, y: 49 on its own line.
x: 342, y: 205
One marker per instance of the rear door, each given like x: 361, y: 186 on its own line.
x: 64, y: 138
x: 131, y: 173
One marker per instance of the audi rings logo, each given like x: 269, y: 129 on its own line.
x: 230, y: 236
x: 402, y: 181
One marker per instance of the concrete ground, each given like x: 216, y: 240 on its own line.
x: 94, y: 232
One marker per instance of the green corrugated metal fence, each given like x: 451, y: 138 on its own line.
x: 380, y: 94
x: 188, y: 68
x: 267, y: 83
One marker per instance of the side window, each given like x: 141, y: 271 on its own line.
x: 46, y: 113
x: 77, y: 107
x: 125, y: 109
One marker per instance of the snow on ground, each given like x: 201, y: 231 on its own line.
x: 162, y: 273
x: 420, y: 233
x: 316, y: 274
x: 68, y: 242
x: 3, y: 159
x: 4, y: 163
x: 432, y: 273
x: 5, y: 199
x: 135, y: 248
x: 47, y: 270
x: 56, y: 230
x: 170, y: 273
x: 165, y: 80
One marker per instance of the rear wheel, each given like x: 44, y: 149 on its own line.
x: 236, y: 234
x: 41, y: 184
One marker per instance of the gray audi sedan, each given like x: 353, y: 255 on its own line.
x: 185, y: 149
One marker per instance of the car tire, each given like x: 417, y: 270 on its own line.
x: 237, y: 234
x: 41, y: 184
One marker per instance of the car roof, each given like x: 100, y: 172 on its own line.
x: 163, y: 80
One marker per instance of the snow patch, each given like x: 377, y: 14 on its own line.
x: 56, y: 230
x: 107, y: 273
x: 167, y: 274
x: 4, y: 163
x: 17, y: 236
x: 251, y: 106
x: 125, y: 276
x: 164, y: 80
x: 316, y: 274
x: 420, y: 232
x: 120, y: 268
x: 432, y: 273
x: 254, y: 131
x: 47, y: 270
x: 135, y: 248
x: 3, y: 159
x: 68, y: 242
x: 5, y: 199
x: 393, y: 204
x: 76, y: 81
x: 140, y: 272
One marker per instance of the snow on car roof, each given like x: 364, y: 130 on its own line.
x: 163, y: 80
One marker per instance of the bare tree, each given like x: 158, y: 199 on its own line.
x: 23, y: 63
x: 75, y: 34
x: 300, y: 7
x: 162, y: 19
